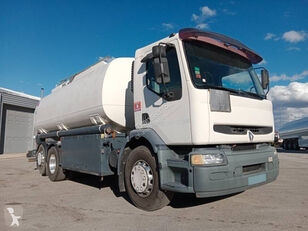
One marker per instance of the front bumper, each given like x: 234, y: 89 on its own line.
x: 236, y: 176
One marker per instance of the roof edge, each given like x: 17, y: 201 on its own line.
x: 5, y: 90
x: 222, y: 41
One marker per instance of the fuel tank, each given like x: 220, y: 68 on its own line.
x: 101, y: 94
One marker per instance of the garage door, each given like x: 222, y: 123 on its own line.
x: 18, y: 130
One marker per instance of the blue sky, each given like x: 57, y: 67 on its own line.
x: 42, y: 42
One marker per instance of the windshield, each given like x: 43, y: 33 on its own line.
x: 214, y: 67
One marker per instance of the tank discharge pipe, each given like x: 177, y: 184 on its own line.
x: 76, y: 131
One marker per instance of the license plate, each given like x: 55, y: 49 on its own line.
x: 256, y: 179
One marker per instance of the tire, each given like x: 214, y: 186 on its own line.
x: 54, y: 170
x: 141, y: 172
x: 41, y: 160
x: 289, y: 145
x: 284, y: 145
x: 296, y: 144
x: 293, y: 144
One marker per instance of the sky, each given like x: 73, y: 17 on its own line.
x: 43, y: 42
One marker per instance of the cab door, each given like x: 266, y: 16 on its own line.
x: 163, y: 107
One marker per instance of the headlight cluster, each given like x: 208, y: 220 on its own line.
x: 208, y: 159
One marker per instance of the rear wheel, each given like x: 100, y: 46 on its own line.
x: 296, y: 147
x: 284, y: 145
x: 41, y: 160
x: 293, y: 144
x: 288, y: 144
x: 142, y: 181
x: 54, y: 170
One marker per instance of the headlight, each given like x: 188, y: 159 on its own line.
x: 208, y: 159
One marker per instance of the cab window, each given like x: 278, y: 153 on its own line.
x: 174, y: 86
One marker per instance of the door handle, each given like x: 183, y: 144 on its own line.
x: 145, y: 118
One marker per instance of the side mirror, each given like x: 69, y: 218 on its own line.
x: 264, y: 78
x: 160, y: 64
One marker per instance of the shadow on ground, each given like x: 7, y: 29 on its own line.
x: 189, y: 200
x: 280, y: 150
x: 180, y: 200
x: 96, y: 182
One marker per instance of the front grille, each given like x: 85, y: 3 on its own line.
x: 242, y: 130
x: 248, y: 169
x: 243, y: 147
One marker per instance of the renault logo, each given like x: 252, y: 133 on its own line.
x: 250, y: 135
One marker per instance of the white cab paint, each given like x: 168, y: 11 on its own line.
x: 190, y: 120
x: 169, y: 119
x: 244, y: 112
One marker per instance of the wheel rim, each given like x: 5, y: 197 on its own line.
x: 40, y: 158
x: 142, y: 178
x: 52, y: 163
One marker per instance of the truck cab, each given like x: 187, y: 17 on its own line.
x: 199, y: 93
x: 213, y: 94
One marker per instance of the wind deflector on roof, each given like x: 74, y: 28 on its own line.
x: 225, y: 42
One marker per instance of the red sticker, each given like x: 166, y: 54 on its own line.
x: 137, y: 106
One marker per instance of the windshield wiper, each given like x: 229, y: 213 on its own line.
x: 222, y: 88
x: 238, y: 92
x: 250, y: 94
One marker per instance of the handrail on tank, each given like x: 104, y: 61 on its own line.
x: 71, y: 78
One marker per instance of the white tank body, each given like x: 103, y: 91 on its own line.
x: 99, y: 95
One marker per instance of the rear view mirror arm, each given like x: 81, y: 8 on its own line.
x: 147, y: 58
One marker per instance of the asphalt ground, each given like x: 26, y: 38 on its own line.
x: 85, y: 203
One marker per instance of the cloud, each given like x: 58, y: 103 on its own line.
x: 293, y: 49
x: 283, y: 115
x: 289, y: 36
x: 207, y: 12
x: 228, y: 12
x: 269, y: 36
x: 199, y: 19
x: 167, y: 26
x: 290, y: 102
x: 276, y: 78
x: 294, y: 36
x: 202, y: 26
x: 293, y: 95
x: 296, y: 113
x: 195, y: 17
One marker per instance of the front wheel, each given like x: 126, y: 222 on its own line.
x: 142, y: 181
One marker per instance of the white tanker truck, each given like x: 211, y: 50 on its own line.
x: 188, y: 114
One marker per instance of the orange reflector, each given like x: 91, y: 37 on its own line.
x: 197, y: 159
x: 113, y: 134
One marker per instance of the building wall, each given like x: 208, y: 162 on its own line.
x: 16, y: 122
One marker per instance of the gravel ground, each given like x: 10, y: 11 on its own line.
x: 83, y: 203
